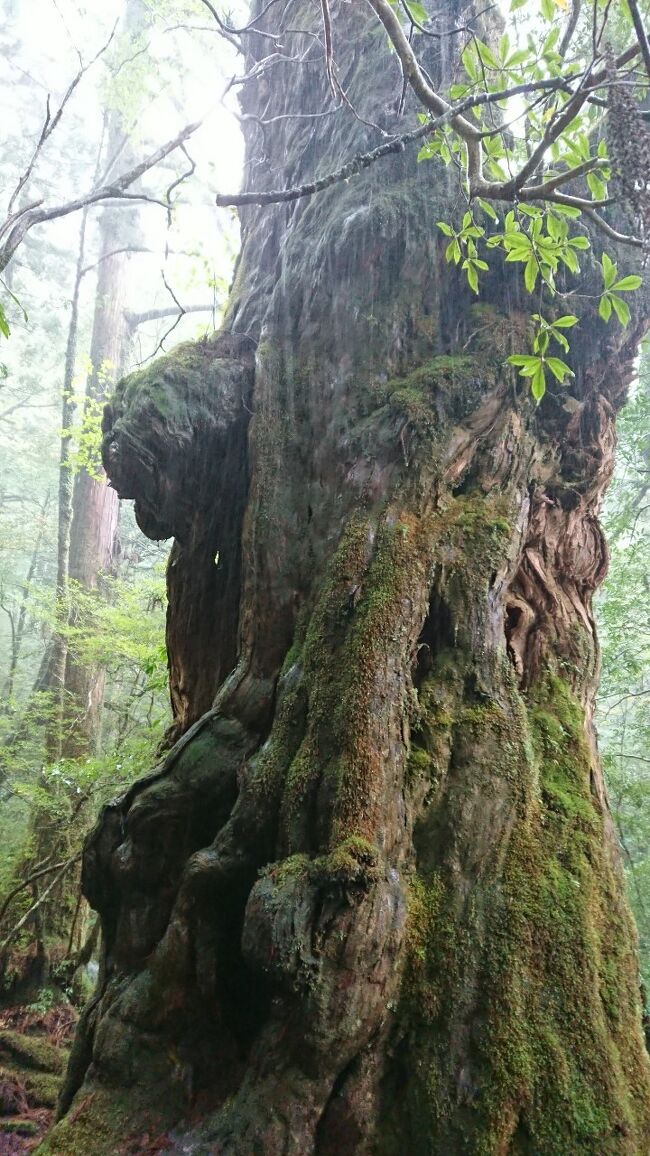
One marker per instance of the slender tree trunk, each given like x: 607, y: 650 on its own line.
x: 371, y: 901
x: 58, y: 647
x: 18, y: 627
x: 93, y: 527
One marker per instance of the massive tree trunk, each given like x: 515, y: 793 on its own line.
x: 371, y: 900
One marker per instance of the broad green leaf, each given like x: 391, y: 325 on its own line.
x: 557, y: 228
x: 570, y: 260
x: 627, y: 284
x: 468, y: 60
x: 487, y: 56
x: 567, y: 211
x: 621, y: 309
x: 565, y: 322
x: 596, y: 186
x: 4, y: 324
x: 579, y: 242
x: 559, y: 368
x: 538, y: 383
x: 445, y: 228
x: 487, y: 208
x: 518, y: 57
x: 605, y: 307
x: 529, y: 365
x: 551, y: 41
x: 472, y: 275
x: 531, y: 273
x: 609, y: 271
x: 517, y: 243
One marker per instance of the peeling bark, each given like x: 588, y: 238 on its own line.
x: 370, y: 901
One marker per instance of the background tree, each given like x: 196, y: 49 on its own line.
x: 51, y: 760
x: 371, y: 899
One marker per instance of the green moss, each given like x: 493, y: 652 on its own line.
x: 444, y: 386
x: 20, y: 1127
x: 292, y: 867
x: 31, y: 1051
x: 353, y: 862
x: 539, y: 956
x: 42, y: 1088
x: 169, y: 384
x: 101, y: 1117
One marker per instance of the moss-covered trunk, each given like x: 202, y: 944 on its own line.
x: 371, y: 901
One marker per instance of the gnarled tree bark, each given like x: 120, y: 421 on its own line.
x: 370, y: 902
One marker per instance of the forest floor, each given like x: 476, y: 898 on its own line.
x: 34, y: 1046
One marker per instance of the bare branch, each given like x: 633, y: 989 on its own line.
x: 116, y: 190
x: 41, y: 899
x: 641, y: 34
x: 613, y: 234
x: 542, y: 190
x: 570, y: 28
x: 355, y: 165
x: 51, y: 122
x: 135, y: 319
x: 230, y: 33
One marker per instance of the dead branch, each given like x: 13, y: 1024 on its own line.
x: 115, y: 191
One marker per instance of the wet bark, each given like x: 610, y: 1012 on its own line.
x: 370, y: 902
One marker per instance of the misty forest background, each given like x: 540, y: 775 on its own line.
x: 83, y: 669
